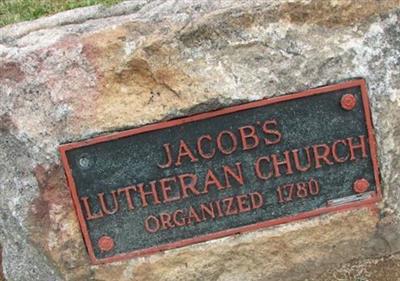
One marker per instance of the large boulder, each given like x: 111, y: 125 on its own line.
x: 96, y: 70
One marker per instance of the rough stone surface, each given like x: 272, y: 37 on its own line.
x: 1, y: 264
x: 385, y: 268
x: 95, y: 70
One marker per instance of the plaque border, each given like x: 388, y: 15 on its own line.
x: 369, y: 202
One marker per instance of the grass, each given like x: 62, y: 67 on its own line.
x: 12, y: 11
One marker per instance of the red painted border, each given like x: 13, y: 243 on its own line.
x: 369, y: 202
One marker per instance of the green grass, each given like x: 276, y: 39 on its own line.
x: 12, y: 11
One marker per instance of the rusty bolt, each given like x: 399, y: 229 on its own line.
x: 106, y: 243
x: 348, y: 102
x: 360, y: 185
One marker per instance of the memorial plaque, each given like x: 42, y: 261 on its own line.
x: 224, y: 172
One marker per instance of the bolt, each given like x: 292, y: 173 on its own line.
x: 360, y: 185
x: 348, y: 102
x: 106, y: 243
x: 84, y: 161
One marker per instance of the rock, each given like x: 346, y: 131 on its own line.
x: 1, y: 264
x: 382, y: 268
x: 97, y: 70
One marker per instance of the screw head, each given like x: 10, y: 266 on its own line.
x: 360, y: 185
x: 106, y: 243
x: 348, y: 102
x: 85, y: 161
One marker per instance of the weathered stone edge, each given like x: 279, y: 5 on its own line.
x: 75, y: 16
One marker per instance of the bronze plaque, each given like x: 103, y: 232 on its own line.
x: 214, y: 174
